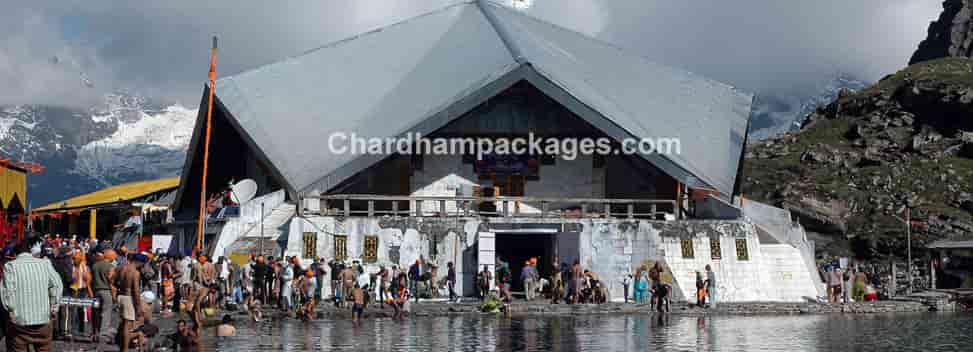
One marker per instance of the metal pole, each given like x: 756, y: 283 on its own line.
x: 908, y: 230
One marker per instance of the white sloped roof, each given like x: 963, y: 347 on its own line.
x: 421, y: 73
x: 644, y: 98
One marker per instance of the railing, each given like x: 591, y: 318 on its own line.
x: 520, y: 207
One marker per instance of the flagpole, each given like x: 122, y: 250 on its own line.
x: 209, y: 127
x: 908, y: 230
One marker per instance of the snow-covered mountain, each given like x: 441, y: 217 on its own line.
x: 125, y: 138
x: 773, y: 115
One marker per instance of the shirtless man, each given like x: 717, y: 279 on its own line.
x: 128, y: 283
x: 398, y: 303
x: 347, y: 283
x: 359, y: 308
x: 577, y: 282
x: 205, y: 284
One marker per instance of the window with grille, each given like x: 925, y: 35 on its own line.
x: 340, y: 247
x: 742, y: 253
x: 687, y: 249
x: 716, y: 252
x: 310, y: 245
x: 370, y: 252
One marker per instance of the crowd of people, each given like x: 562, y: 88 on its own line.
x: 115, y: 294
x: 847, y: 285
x: 125, y: 288
x: 572, y: 284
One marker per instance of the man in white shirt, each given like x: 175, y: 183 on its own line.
x: 286, y: 284
x: 246, y: 273
x: 223, y: 266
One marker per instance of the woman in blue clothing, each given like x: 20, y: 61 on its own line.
x: 641, y: 286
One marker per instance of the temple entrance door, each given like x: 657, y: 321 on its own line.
x: 517, y: 248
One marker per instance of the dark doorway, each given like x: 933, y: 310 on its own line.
x: 516, y: 249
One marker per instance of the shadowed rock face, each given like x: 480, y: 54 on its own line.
x: 951, y: 35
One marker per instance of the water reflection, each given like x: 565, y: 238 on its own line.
x: 914, y: 332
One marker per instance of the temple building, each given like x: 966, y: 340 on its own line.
x: 482, y: 70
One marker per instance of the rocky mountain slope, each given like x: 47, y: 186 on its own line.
x: 951, y: 35
x: 125, y: 138
x: 858, y: 161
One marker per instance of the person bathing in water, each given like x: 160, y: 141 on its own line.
x: 308, y: 287
x: 358, y: 309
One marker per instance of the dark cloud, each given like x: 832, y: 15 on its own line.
x: 160, y: 48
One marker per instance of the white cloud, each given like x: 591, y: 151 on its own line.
x: 160, y: 48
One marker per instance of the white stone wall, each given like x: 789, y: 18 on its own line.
x: 613, y: 248
x: 442, y: 175
x: 412, y: 244
x: 772, y: 273
x: 737, y: 280
x: 610, y: 248
x: 787, y: 273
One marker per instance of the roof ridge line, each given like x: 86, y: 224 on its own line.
x: 354, y: 37
x: 502, y: 33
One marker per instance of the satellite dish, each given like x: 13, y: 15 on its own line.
x: 243, y: 191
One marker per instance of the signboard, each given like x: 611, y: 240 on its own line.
x: 507, y: 164
x: 161, y: 242
x: 79, y: 302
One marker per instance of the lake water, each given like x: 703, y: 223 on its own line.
x: 901, y: 332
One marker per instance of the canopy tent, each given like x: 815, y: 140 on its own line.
x: 111, y: 195
x: 107, y: 207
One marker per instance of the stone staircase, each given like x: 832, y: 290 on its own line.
x: 274, y: 223
x: 934, y: 300
x: 248, y: 240
x: 271, y: 208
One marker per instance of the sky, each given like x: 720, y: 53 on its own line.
x: 71, y: 52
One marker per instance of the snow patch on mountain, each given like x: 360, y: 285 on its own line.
x: 146, y: 144
x: 775, y: 115
x: 17, y: 125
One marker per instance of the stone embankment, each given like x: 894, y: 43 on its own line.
x: 903, y: 305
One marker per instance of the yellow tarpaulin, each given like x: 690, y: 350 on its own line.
x: 239, y: 258
x: 13, y: 186
x: 114, y: 194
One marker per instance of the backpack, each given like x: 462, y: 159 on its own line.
x: 504, y: 275
x: 64, y: 270
x: 150, y: 271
